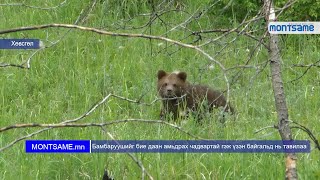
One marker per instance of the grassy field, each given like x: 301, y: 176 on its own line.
x: 65, y: 80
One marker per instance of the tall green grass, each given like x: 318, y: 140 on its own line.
x: 65, y: 80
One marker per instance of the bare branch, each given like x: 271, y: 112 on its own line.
x: 257, y: 131
x: 308, y: 68
x: 68, y: 123
x: 23, y: 138
x: 27, y: 64
x: 183, y: 24
x: 30, y: 58
x: 75, y: 125
x: 238, y: 74
x: 286, y: 6
x: 125, y: 35
x: 304, y: 65
x: 245, y: 23
x: 34, y: 7
x: 135, y: 159
x: 85, y: 13
x: 303, y: 128
x: 93, y: 108
x: 308, y: 131
x: 96, y: 31
x: 231, y: 30
x: 12, y: 65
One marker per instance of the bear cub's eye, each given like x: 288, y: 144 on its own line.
x: 165, y: 84
x: 174, y: 85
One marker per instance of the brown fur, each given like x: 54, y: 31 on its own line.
x: 178, y: 93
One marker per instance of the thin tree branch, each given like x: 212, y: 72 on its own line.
x: 308, y: 131
x: 125, y: 35
x: 135, y: 159
x: 257, y: 131
x: 230, y: 30
x: 71, y: 122
x: 27, y: 64
x: 11, y: 65
x: 34, y: 7
x: 77, y: 125
x: 308, y: 65
x: 308, y: 68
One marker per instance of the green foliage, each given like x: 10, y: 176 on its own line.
x: 125, y: 8
x: 234, y: 10
x: 237, y: 10
x: 302, y: 10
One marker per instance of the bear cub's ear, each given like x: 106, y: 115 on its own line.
x: 161, y: 74
x: 182, y: 76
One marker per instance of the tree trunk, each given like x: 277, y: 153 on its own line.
x: 278, y: 90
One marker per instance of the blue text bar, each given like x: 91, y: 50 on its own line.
x: 19, y: 43
x: 58, y: 146
x: 200, y: 146
x: 167, y: 146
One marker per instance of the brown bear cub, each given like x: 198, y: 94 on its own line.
x: 178, y: 94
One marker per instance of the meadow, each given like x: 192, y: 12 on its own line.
x: 66, y: 79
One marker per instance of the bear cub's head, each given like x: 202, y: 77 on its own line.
x: 171, y: 84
